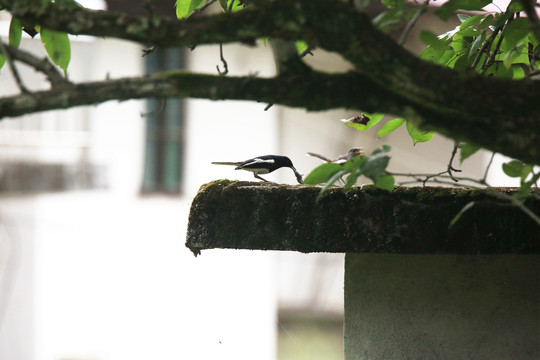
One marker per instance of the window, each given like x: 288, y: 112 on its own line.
x: 164, y: 145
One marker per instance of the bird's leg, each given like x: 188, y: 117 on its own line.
x: 260, y: 178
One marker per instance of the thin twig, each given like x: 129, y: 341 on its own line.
x: 489, y: 60
x: 497, y: 193
x: 43, y: 65
x: 12, y: 67
x: 307, y: 51
x: 423, y: 178
x: 450, y: 168
x: 148, y: 51
x: 432, y: 176
x: 412, y: 22
x: 484, y: 178
x: 223, y: 61
x: 486, y: 46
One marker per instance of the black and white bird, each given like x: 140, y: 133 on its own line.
x: 263, y: 165
x: 353, y: 152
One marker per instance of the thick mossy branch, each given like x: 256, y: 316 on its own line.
x: 309, y: 89
x: 246, y: 215
x: 500, y: 115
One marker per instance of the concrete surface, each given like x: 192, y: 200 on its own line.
x: 481, y: 307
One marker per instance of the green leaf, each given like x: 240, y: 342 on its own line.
x: 322, y: 173
x: 458, y: 42
x: 485, y: 23
x: 513, y: 168
x: 526, y: 186
x: 418, y: 135
x: 436, y: 46
x: 331, y: 181
x: 223, y: 4
x: 237, y: 5
x: 375, y: 165
x: 2, y: 60
x: 518, y: 72
x: 439, y: 56
x: 532, y: 39
x: 469, y: 32
x: 390, y: 126
x: 15, y: 32
x: 514, y: 7
x: 476, y: 45
x: 354, y: 163
x: 525, y: 172
x: 467, y: 207
x: 363, y: 122
x: 430, y: 39
x: 463, y: 17
x: 471, y: 21
x: 532, y: 181
x: 58, y: 47
x: 387, y: 19
x: 185, y: 8
x: 449, y: 58
x: 515, y: 55
x: 499, y: 70
x: 462, y: 63
x: 467, y: 150
x: 351, y: 179
x: 450, y: 33
x: 515, y: 31
x: 385, y: 182
x: 301, y: 46
x: 451, y: 6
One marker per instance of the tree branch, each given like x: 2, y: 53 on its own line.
x: 500, y: 115
x: 314, y: 91
x: 12, y: 67
x: 42, y: 65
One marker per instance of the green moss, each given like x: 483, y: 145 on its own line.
x: 267, y: 216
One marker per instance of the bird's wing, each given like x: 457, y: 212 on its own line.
x: 256, y: 161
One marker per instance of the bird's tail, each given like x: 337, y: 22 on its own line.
x: 225, y: 163
x: 322, y: 157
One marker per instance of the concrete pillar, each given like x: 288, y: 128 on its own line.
x: 454, y: 307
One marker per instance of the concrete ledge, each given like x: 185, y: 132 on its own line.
x: 481, y: 307
x: 410, y: 220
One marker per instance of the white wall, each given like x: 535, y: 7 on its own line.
x: 106, y: 274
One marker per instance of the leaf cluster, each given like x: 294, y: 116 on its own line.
x: 500, y: 45
x: 372, y: 167
x: 526, y: 174
x: 56, y: 43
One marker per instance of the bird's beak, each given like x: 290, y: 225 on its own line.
x: 298, y: 176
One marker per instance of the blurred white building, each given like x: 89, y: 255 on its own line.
x: 101, y: 272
